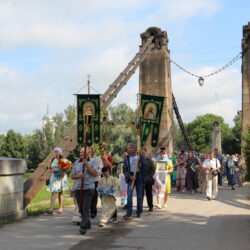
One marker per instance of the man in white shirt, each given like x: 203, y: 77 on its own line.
x: 98, y: 162
x: 212, y: 165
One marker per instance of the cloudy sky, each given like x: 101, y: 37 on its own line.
x: 47, y: 47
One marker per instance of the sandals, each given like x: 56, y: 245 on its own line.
x: 50, y: 212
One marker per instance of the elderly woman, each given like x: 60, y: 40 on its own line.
x: 181, y: 173
x: 202, y: 175
x: 57, y: 183
x: 191, y: 175
x: 231, y: 172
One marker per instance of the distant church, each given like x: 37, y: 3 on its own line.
x: 47, y: 118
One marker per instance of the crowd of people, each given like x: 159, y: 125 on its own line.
x: 150, y: 175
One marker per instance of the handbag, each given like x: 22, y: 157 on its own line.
x: 47, y: 182
x: 216, y: 172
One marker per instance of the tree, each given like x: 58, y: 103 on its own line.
x: 200, y: 132
x: 2, y: 137
x: 178, y: 139
x: 247, y: 151
x: 118, y: 129
x: 14, y: 146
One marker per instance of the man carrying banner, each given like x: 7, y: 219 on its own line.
x: 132, y: 170
x: 90, y: 172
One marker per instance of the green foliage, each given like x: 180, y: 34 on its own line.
x: 13, y: 145
x: 119, y: 130
x: 178, y: 139
x: 247, y: 151
x: 200, y: 132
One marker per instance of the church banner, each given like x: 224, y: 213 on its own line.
x: 151, y: 110
x: 88, y: 112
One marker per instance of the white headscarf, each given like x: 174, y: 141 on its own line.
x: 59, y: 150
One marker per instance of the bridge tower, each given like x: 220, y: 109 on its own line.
x: 246, y: 78
x: 155, y: 79
x: 216, y: 136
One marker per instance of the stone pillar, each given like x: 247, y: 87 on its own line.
x: 155, y: 79
x: 246, y: 78
x: 11, y: 188
x: 216, y: 137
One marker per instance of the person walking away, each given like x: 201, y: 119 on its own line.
x: 147, y: 178
x: 106, y: 188
x: 58, y: 182
x: 232, y: 172
x: 191, y: 174
x: 212, y: 166
x: 85, y: 170
x: 181, y: 173
x: 97, y: 162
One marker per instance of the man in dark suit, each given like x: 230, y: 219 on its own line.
x: 147, y: 178
x: 132, y: 170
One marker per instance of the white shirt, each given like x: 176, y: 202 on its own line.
x: 211, y: 163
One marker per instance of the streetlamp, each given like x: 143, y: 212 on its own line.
x: 201, y: 81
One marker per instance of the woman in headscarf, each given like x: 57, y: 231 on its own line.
x: 191, y: 175
x: 181, y: 173
x: 57, y: 183
x: 231, y: 172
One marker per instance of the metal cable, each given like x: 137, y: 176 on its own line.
x: 239, y: 55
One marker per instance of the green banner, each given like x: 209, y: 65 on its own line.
x: 88, y: 107
x: 150, y: 120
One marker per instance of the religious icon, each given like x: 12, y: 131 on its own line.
x: 160, y: 166
x: 150, y: 111
x: 89, y: 109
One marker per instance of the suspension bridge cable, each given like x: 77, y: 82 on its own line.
x: 239, y: 55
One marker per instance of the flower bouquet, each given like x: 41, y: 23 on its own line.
x: 64, y: 165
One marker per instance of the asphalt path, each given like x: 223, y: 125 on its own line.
x: 189, y: 222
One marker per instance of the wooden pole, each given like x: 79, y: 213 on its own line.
x: 87, y: 124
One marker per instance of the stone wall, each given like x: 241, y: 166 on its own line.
x: 11, y: 188
x: 246, y: 78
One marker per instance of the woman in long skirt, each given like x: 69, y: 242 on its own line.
x: 232, y: 173
x: 191, y: 175
x: 202, y: 175
x: 181, y: 173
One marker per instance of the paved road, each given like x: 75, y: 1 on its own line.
x: 190, y: 222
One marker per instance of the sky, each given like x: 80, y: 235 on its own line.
x: 47, y: 48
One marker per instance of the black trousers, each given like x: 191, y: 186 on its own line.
x: 93, y: 209
x: 220, y: 179
x: 87, y: 197
x: 149, y: 193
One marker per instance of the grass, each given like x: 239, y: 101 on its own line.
x: 40, y: 203
x: 41, y: 208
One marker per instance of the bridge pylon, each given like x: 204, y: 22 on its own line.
x: 155, y: 79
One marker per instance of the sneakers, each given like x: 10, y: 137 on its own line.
x: 127, y: 217
x: 101, y: 225
x: 151, y: 209
x: 82, y: 231
x: 158, y: 206
x: 165, y: 205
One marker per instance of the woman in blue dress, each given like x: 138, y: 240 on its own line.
x: 57, y: 183
x: 231, y: 172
